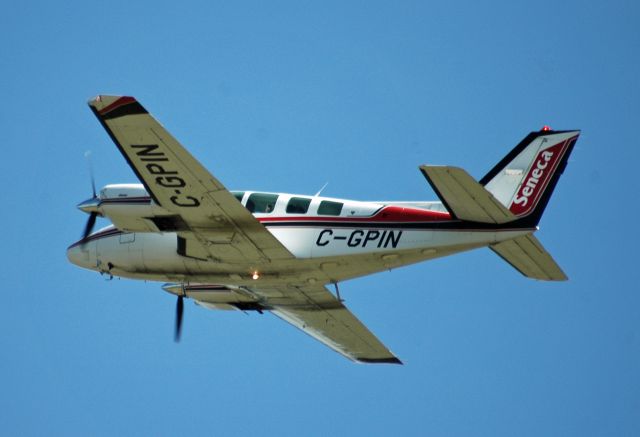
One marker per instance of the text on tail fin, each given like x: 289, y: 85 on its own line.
x: 524, y: 179
x: 538, y: 177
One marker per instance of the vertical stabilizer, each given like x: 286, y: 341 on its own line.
x: 524, y: 179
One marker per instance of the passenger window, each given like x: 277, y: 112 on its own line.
x: 262, y: 203
x: 329, y: 208
x: 238, y: 195
x: 298, y: 205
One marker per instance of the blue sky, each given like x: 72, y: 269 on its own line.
x: 285, y: 96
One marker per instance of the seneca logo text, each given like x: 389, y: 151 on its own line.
x: 529, y: 187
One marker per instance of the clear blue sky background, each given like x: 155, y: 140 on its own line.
x: 285, y: 96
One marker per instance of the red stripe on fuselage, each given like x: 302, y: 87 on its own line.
x: 388, y: 214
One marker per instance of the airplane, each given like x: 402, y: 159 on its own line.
x: 279, y: 252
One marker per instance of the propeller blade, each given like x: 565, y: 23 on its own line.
x: 179, y: 312
x: 93, y: 186
x: 90, y: 205
x: 90, y: 224
x: 87, y: 155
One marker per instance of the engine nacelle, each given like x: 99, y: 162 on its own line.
x: 130, y: 208
x: 216, y: 297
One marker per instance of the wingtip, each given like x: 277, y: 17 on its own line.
x: 115, y: 106
x: 106, y: 99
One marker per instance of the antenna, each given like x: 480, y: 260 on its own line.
x: 321, y: 189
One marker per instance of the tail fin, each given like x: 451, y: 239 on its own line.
x: 524, y: 180
x: 515, y: 191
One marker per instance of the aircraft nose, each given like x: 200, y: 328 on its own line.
x: 80, y: 255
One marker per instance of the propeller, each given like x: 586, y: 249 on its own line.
x: 90, y: 205
x: 87, y: 155
x: 179, y: 313
x: 91, y: 222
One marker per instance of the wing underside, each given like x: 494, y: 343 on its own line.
x: 331, y: 323
x: 208, y: 217
x: 316, y: 311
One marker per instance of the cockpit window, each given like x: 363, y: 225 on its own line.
x: 262, y: 202
x: 329, y: 208
x: 238, y: 195
x: 298, y: 205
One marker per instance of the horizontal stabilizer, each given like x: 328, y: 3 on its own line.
x: 527, y: 255
x: 465, y: 198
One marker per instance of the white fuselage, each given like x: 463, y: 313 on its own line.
x: 342, y: 238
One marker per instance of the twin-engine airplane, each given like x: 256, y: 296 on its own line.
x: 277, y: 252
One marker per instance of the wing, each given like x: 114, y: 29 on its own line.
x: 311, y: 308
x: 314, y: 310
x: 209, y: 220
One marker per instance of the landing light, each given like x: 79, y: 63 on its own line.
x: 255, y: 276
